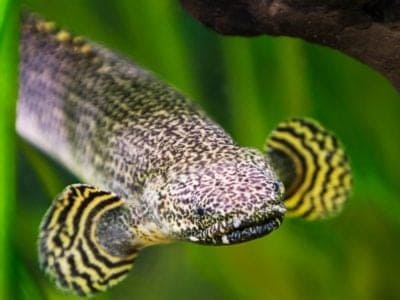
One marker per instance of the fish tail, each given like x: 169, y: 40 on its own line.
x: 313, y: 167
x: 70, y: 250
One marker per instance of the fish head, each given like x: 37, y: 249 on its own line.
x: 229, y: 198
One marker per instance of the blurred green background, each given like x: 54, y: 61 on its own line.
x: 247, y: 85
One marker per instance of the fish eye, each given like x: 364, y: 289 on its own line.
x: 200, y: 211
x: 276, y: 186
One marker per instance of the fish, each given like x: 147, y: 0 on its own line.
x: 154, y: 168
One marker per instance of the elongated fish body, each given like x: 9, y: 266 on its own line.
x: 107, y: 120
x: 156, y: 168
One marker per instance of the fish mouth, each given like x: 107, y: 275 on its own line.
x: 239, y: 229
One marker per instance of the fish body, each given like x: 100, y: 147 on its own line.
x: 157, y: 168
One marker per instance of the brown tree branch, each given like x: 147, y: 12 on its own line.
x: 368, y: 30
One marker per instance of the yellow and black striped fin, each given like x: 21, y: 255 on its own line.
x: 69, y: 247
x: 312, y: 166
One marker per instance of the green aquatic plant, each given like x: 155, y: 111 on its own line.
x: 8, y: 94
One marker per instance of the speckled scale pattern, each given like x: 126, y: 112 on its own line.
x: 112, y: 115
x: 159, y: 169
x: 117, y: 127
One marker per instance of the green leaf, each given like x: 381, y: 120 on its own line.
x: 8, y: 95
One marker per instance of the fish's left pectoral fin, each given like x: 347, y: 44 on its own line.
x: 313, y: 167
x: 85, y: 242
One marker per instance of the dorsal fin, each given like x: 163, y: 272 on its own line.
x: 313, y: 167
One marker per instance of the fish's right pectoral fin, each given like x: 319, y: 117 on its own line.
x: 313, y: 167
x: 85, y: 242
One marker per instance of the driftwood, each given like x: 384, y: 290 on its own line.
x: 368, y: 30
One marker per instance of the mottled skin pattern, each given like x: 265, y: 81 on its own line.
x: 117, y: 127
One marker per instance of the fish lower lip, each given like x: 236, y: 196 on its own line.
x: 218, y: 234
x: 252, y: 231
